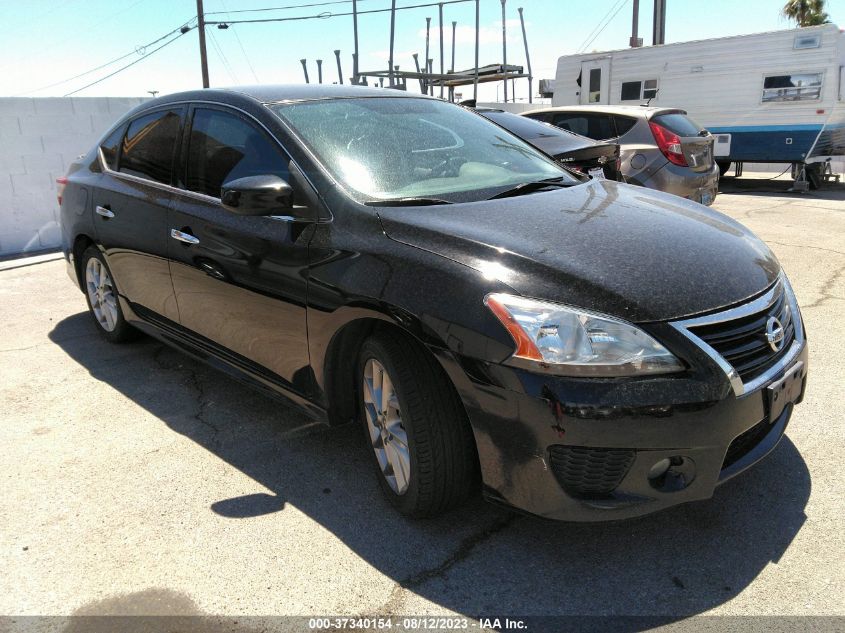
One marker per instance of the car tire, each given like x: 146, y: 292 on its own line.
x: 432, y: 432
x: 723, y: 166
x: 101, y: 295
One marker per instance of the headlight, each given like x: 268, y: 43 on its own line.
x: 575, y: 342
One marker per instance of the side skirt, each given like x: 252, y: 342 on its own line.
x: 241, y: 369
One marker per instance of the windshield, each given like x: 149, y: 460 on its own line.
x: 387, y: 148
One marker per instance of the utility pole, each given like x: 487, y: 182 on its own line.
x: 355, y: 35
x: 319, y: 71
x: 475, y: 79
x: 452, y: 67
x: 203, y: 54
x: 339, y: 71
x: 504, y: 51
x: 527, y: 58
x: 392, y: 33
x: 426, y: 59
x: 659, y: 22
x: 442, y: 70
x: 636, y: 41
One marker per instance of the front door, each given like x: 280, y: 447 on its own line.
x: 131, y: 203
x: 240, y: 281
x: 595, y: 81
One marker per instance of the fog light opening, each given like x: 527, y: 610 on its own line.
x: 659, y: 469
x: 672, y: 474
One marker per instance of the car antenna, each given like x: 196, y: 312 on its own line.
x: 648, y: 103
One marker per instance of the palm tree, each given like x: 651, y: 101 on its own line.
x: 806, y: 12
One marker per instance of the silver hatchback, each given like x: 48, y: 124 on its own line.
x: 660, y: 148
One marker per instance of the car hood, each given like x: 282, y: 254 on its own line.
x: 621, y: 250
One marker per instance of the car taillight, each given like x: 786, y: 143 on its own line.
x: 61, y: 183
x: 669, y: 143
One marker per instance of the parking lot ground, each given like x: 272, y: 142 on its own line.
x: 136, y: 480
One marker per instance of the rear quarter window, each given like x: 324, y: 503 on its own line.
x: 624, y: 124
x: 150, y: 144
x: 678, y: 123
x: 111, y: 145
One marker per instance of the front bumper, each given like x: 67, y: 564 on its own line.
x: 697, y: 422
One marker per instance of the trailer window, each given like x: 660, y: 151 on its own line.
x: 797, y: 87
x: 595, y: 85
x: 631, y: 90
x: 639, y: 90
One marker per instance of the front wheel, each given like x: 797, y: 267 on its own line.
x: 421, y: 442
x: 101, y: 295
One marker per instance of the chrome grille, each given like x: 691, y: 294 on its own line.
x: 742, y: 342
x: 736, y: 338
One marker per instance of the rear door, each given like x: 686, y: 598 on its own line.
x: 131, y: 202
x: 240, y: 281
x: 696, y: 142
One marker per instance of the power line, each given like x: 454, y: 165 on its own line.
x: 603, y: 24
x: 139, y: 50
x: 241, y: 44
x: 328, y: 14
x: 284, y: 8
x: 45, y: 51
x: 223, y: 57
x: 140, y: 59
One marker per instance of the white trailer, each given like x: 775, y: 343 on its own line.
x: 768, y: 97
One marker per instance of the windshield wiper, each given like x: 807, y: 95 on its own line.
x: 406, y: 202
x: 536, y: 185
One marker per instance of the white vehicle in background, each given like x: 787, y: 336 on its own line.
x: 772, y: 97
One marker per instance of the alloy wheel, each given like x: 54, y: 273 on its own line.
x: 101, y: 294
x: 386, y: 431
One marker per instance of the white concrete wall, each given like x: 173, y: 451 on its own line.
x: 39, y: 138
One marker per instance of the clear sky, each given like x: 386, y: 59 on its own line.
x: 48, y: 41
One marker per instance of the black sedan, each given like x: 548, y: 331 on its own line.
x: 578, y: 349
x: 596, y: 159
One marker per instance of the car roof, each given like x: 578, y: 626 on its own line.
x: 627, y: 110
x: 290, y: 92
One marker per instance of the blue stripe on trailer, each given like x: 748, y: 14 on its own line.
x: 769, y: 143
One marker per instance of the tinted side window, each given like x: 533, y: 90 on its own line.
x: 595, y: 126
x: 224, y: 147
x: 111, y: 145
x: 623, y: 124
x: 149, y: 145
x: 546, y: 117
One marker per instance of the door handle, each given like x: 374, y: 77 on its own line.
x: 105, y: 212
x: 187, y: 238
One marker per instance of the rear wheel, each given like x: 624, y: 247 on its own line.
x: 421, y: 442
x: 101, y: 295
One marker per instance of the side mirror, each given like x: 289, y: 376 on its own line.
x: 258, y: 195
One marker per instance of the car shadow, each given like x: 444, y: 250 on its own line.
x: 764, y: 185
x: 479, y: 559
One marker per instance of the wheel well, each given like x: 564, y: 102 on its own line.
x: 339, y: 369
x: 80, y: 244
x: 341, y: 365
